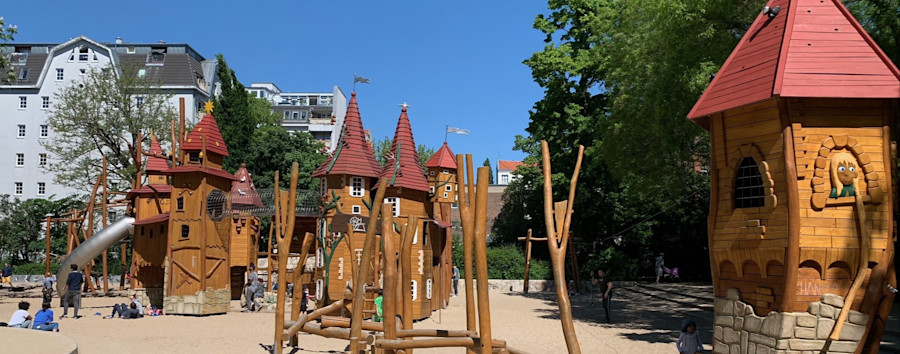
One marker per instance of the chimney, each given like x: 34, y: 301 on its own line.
x: 162, y: 42
x: 118, y: 40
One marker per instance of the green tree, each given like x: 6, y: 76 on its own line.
x: 425, y: 154
x: 383, y: 146
x: 6, y: 35
x: 102, y: 113
x: 232, y: 112
x: 881, y: 18
x: 487, y: 163
x: 274, y: 149
x: 23, y: 227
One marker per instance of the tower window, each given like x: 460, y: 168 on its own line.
x: 357, y: 187
x: 748, y: 186
x: 179, y: 204
x: 185, y: 231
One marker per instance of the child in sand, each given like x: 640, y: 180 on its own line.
x: 689, y: 340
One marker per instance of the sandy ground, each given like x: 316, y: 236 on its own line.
x: 641, y: 324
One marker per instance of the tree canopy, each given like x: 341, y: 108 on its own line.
x: 101, y: 114
x: 383, y: 146
x: 487, y: 163
x: 6, y: 34
x: 22, y: 227
x: 233, y: 113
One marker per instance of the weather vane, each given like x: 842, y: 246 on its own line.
x: 359, y: 79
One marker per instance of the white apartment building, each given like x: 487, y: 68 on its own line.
x: 42, y: 69
x: 319, y: 113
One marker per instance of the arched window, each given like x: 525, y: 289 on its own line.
x: 748, y: 186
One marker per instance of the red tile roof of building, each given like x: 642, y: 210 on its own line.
x: 353, y: 154
x: 811, y: 48
x: 443, y: 158
x: 210, y: 129
x: 508, y: 165
x: 409, y: 173
x: 155, y: 164
x: 152, y: 220
x: 243, y: 192
x: 197, y: 168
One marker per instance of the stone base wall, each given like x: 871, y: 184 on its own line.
x: 738, y: 330
x: 205, y: 302
x: 150, y: 296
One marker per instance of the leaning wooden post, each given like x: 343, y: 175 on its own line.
x: 298, y: 292
x: 389, y: 308
x: 284, y: 242
x: 575, y: 270
x: 484, y: 305
x: 406, y: 270
x: 467, y: 194
x: 365, y: 267
x: 557, y: 240
x: 47, y: 255
x: 527, y: 261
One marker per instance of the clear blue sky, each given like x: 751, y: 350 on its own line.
x: 454, y: 62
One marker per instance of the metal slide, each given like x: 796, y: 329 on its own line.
x: 92, y: 247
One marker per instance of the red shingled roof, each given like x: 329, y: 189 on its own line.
x: 150, y: 189
x: 243, y: 191
x: 811, y: 48
x: 196, y: 168
x: 208, y: 128
x: 443, y: 158
x: 410, y: 174
x: 153, y: 219
x: 508, y: 165
x: 353, y: 154
x: 156, y: 164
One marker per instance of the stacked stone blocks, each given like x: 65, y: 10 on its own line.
x: 738, y: 330
x: 205, y: 302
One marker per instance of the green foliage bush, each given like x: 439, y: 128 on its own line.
x: 34, y: 269
x: 504, y: 262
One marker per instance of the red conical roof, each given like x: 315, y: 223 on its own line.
x: 155, y: 164
x: 354, y: 155
x: 210, y: 129
x: 443, y: 158
x: 811, y: 48
x: 243, y: 192
x: 408, y: 174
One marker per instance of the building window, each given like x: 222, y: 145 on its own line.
x: 357, y: 187
x: 179, y: 204
x: 431, y: 189
x: 139, y: 101
x: 156, y: 58
x: 21, y: 131
x: 428, y: 288
x: 42, y: 188
x: 45, y: 102
x: 23, y: 75
x: 415, y: 290
x: 23, y: 102
x: 295, y: 115
x: 42, y: 160
x: 504, y: 179
x: 82, y: 71
x: 748, y: 186
x: 130, y: 49
x: 20, y: 159
x: 357, y: 209
x: 59, y: 74
x: 448, y: 188
x: 395, y: 205
x: 142, y: 73
x: 287, y: 114
x: 446, y: 172
x: 83, y: 53
x: 45, y: 130
x: 446, y: 195
x: 454, y: 205
x: 194, y: 157
x: 18, y: 188
x: 304, y: 115
x: 323, y: 186
x: 185, y: 231
x: 431, y: 173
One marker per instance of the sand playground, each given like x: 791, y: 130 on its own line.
x: 641, y: 324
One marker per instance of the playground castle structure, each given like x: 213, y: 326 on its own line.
x: 801, y: 223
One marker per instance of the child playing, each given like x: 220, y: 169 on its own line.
x: 689, y: 340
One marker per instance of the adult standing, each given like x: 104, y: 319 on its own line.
x: 455, y: 281
x: 7, y: 274
x: 251, y: 288
x: 660, y: 263
x: 74, y: 283
x: 606, y: 286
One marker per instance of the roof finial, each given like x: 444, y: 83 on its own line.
x: 208, y: 107
x: 404, y: 105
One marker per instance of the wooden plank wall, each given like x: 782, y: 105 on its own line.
x: 747, y: 241
x: 829, y: 238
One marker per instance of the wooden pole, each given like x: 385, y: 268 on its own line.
x: 284, y: 241
x: 527, y: 261
x: 389, y: 307
x: 181, y: 123
x: 292, y: 330
x: 467, y: 196
x: 575, y: 271
x: 104, y: 223
x: 865, y: 248
x: 298, y: 291
x: 365, y: 267
x: 409, y: 233
x: 269, y: 259
x: 468, y: 342
x: 138, y: 158
x: 481, y: 271
x: 557, y: 248
x: 172, y: 149
x: 47, y: 254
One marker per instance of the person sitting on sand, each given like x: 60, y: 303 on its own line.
x: 43, y: 319
x: 133, y: 310
x: 21, y: 318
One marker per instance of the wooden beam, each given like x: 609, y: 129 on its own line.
x: 365, y: 267
x: 468, y: 342
x: 467, y: 198
x: 298, y: 288
x: 390, y: 291
x: 406, y: 270
x: 484, y: 305
x: 285, y: 334
x: 525, y: 277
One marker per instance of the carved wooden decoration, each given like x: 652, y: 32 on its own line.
x: 752, y: 151
x: 846, y: 152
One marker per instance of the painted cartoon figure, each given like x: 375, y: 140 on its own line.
x: 844, y: 175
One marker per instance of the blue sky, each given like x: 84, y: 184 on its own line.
x: 454, y: 62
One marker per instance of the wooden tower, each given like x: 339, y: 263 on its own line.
x: 151, y: 205
x: 198, y: 271
x: 346, y: 179
x: 408, y: 193
x: 244, y: 240
x: 442, y: 184
x: 802, y: 205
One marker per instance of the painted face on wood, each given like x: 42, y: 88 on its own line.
x: 846, y: 172
x: 844, y: 175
